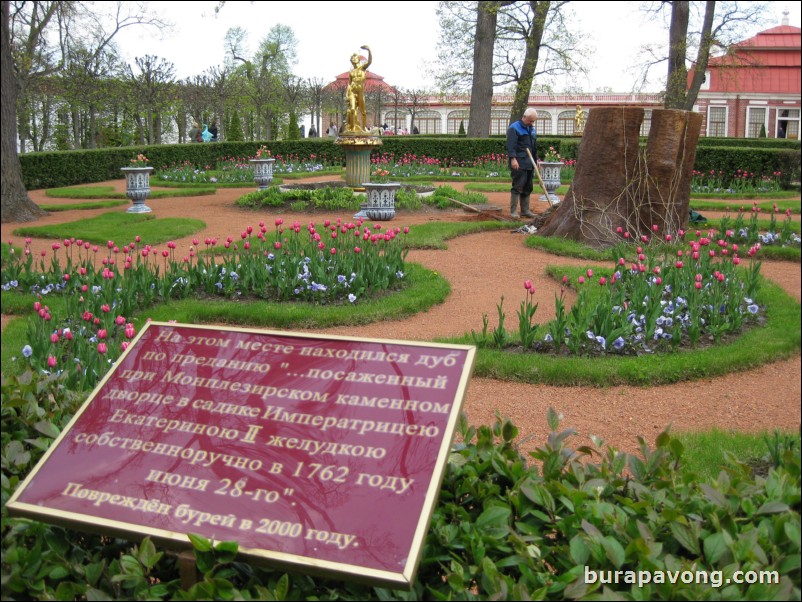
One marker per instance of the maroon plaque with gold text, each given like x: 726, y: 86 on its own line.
x: 315, y: 453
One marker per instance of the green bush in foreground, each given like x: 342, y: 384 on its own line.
x: 502, y: 529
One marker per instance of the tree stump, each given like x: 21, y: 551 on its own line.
x: 619, y: 185
x: 670, y: 154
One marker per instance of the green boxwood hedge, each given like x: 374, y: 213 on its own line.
x: 67, y: 168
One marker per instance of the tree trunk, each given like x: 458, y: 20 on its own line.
x: 15, y: 204
x: 702, y: 57
x: 670, y: 154
x: 677, y: 81
x: 617, y: 185
x: 606, y: 175
x: 482, y: 86
x: 520, y: 102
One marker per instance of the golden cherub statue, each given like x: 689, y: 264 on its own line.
x: 355, y: 95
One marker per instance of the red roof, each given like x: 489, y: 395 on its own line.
x: 770, y: 62
x: 372, y: 82
x: 782, y: 36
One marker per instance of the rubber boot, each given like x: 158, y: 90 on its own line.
x: 514, y: 205
x: 525, y: 206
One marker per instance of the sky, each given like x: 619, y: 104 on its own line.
x: 402, y: 36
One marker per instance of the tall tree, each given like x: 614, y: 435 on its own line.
x: 677, y: 49
x: 531, y: 39
x: 294, y: 96
x: 266, y: 71
x: 532, y: 33
x: 697, y: 29
x: 151, y: 87
x: 34, y: 21
x: 15, y: 205
x: 415, y: 103
x: 482, y: 86
x: 315, y: 95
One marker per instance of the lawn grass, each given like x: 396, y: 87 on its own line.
x: 108, y: 192
x: 706, y: 451
x: 566, y: 247
x: 778, y: 194
x: 118, y: 227
x: 505, y: 187
x: 107, y: 204
x: 766, y: 207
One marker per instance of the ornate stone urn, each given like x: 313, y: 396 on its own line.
x: 550, y: 172
x: 137, y: 187
x: 381, y: 200
x: 263, y: 171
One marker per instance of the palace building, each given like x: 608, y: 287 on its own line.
x: 754, y: 90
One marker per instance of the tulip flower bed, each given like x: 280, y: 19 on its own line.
x: 86, y: 297
x: 784, y: 234
x: 236, y: 170
x: 740, y: 182
x: 655, y: 301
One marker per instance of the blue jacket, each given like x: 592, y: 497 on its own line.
x: 519, y: 138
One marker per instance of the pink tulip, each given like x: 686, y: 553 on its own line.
x: 51, y: 361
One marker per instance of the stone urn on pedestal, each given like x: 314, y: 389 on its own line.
x: 137, y: 187
x: 550, y: 172
x: 381, y: 200
x: 262, y: 170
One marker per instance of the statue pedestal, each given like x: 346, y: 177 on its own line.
x: 357, y: 149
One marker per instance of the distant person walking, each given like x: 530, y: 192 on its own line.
x: 194, y: 133
x: 213, y: 130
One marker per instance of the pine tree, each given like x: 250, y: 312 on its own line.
x: 234, y: 133
x: 293, y: 131
x: 461, y: 128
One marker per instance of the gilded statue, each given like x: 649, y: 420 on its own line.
x: 579, y: 120
x: 356, y: 117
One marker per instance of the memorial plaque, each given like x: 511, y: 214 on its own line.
x: 315, y: 453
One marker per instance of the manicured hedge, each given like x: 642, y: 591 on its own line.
x: 66, y: 168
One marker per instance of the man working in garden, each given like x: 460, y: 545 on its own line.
x: 521, y: 137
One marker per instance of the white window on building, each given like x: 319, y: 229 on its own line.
x: 647, y: 122
x: 543, y: 123
x: 565, y: 123
x: 396, y: 119
x: 455, y: 118
x: 788, y: 123
x: 429, y: 122
x: 499, y: 122
x: 756, y: 121
x: 705, y: 82
x: 717, y: 121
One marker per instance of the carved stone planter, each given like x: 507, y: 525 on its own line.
x: 137, y: 187
x: 263, y: 171
x: 550, y: 172
x: 381, y: 200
